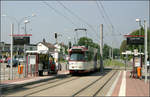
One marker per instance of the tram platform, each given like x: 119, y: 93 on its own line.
x: 16, y: 83
x: 128, y: 86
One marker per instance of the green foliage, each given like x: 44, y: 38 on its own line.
x: 116, y: 53
x: 106, y: 49
x: 113, y: 63
x: 125, y: 47
x: 89, y: 42
x: 85, y: 41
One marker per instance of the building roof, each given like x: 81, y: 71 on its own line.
x: 49, y: 45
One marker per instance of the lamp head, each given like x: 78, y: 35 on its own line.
x: 26, y: 21
x: 138, y: 20
x: 33, y: 14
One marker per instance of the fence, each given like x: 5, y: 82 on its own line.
x: 5, y: 72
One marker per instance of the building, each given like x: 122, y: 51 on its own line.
x: 17, y: 49
x: 60, y: 51
x: 45, y: 47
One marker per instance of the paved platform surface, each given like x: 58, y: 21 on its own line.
x: 11, y: 84
x: 123, y: 86
x: 127, y: 86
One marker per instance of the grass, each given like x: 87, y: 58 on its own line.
x: 109, y: 62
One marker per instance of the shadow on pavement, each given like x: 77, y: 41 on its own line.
x: 23, y: 87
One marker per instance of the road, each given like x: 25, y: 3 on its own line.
x: 90, y: 84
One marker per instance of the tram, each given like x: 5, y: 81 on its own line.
x: 83, y: 59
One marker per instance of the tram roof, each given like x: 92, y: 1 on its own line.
x: 83, y: 48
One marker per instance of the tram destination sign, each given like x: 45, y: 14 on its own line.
x: 135, y: 40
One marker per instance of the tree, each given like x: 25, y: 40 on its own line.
x: 106, y: 51
x: 125, y: 47
x: 116, y: 52
x: 85, y: 41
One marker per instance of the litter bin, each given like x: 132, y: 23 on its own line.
x: 139, y: 72
x: 20, y: 69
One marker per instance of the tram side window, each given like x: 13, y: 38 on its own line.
x: 86, y: 56
x: 90, y: 56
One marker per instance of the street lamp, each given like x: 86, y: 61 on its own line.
x: 145, y: 25
x: 69, y: 45
x: 139, y: 21
x: 145, y: 44
x: 20, y: 21
x: 25, y: 23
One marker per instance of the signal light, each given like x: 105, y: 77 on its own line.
x: 55, y: 35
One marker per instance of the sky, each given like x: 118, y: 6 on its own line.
x: 51, y: 17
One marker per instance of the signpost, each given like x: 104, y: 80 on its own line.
x: 135, y: 40
x: 22, y: 39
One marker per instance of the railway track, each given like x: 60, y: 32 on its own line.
x: 90, y: 87
x: 69, y: 79
x: 42, y: 86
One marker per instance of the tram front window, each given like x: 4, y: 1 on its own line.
x: 77, y: 57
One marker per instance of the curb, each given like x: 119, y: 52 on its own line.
x: 14, y: 86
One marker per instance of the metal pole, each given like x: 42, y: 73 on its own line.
x: 11, y: 61
x: 140, y: 33
x: 101, y: 40
x: 25, y: 59
x: 25, y: 28
x: 86, y: 33
x: 25, y: 52
x: 145, y: 50
x: 112, y: 42
x: 74, y: 40
x: 0, y: 36
x: 101, y: 47
x: 18, y: 28
x: 77, y: 37
x: 126, y: 62
x: 110, y: 52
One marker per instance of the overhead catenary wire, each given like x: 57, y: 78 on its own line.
x: 108, y: 18
x: 112, y: 25
x: 61, y: 14
x: 67, y: 18
x: 101, y: 13
x: 79, y: 18
x: 106, y: 14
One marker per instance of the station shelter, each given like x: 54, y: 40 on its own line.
x: 33, y: 59
x: 137, y: 63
